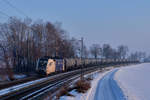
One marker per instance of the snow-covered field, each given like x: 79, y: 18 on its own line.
x: 135, y: 81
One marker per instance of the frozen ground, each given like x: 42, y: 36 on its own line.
x: 16, y: 76
x: 108, y: 89
x: 89, y: 95
x: 125, y: 83
x: 104, y: 87
x: 134, y: 81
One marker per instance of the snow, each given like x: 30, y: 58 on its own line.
x: 124, y: 83
x: 104, y: 87
x: 24, y: 85
x: 108, y: 88
x: 89, y: 95
x: 18, y: 87
x: 21, y: 86
x: 21, y: 76
x: 134, y: 81
x: 4, y: 77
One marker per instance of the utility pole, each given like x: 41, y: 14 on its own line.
x: 81, y: 57
x: 56, y: 47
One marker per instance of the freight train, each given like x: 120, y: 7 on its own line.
x: 48, y: 65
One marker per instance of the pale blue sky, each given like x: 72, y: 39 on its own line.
x: 98, y: 21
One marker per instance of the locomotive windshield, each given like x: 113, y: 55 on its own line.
x: 43, y: 62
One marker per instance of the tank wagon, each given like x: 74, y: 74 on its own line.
x: 48, y: 65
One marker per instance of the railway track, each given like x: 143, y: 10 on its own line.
x: 32, y: 90
x: 51, y: 87
x: 16, y: 82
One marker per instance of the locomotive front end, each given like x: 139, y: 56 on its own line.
x: 41, y: 66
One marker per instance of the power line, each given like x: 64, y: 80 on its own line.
x: 18, y: 10
x: 4, y: 14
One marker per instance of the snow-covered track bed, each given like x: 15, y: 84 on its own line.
x: 27, y: 90
x: 16, y: 82
x: 50, y: 88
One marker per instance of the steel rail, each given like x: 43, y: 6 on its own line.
x: 57, y: 85
x: 20, y: 89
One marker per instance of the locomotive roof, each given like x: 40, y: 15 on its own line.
x: 48, y: 57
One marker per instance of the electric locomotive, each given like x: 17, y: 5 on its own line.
x: 48, y: 65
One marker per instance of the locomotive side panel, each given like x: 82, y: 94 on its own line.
x: 59, y: 65
x: 51, y: 66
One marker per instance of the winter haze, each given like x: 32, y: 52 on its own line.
x: 100, y: 21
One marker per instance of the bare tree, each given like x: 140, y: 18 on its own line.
x: 122, y: 51
x: 137, y: 56
x: 6, y: 59
x: 107, y: 51
x: 95, y: 50
x: 29, y: 41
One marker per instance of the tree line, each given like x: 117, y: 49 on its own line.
x: 121, y: 52
x: 22, y: 42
